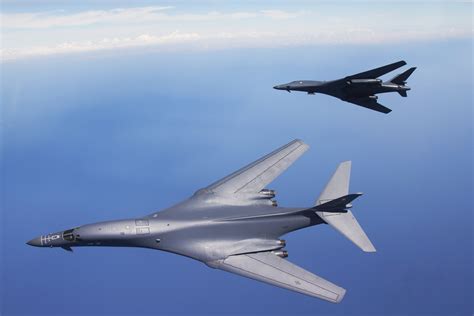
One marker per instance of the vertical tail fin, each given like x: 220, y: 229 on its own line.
x: 403, y: 77
x: 345, y: 223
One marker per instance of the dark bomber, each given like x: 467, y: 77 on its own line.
x: 360, y: 89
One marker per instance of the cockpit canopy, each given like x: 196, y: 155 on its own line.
x: 69, y: 235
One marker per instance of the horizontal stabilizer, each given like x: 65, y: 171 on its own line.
x: 339, y: 205
x: 403, y: 77
x: 347, y: 224
x: 344, y: 222
x: 403, y: 93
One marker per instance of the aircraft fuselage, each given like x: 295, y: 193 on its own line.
x: 343, y: 90
x: 191, y: 233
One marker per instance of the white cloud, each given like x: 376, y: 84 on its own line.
x: 280, y: 14
x: 104, y: 44
x: 61, y: 19
x: 223, y: 40
x: 60, y: 32
x: 53, y: 19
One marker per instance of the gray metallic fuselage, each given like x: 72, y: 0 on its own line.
x: 197, y: 228
x: 235, y: 225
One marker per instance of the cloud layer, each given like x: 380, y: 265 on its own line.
x: 31, y: 34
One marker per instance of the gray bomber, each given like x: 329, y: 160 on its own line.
x: 235, y: 225
x: 359, y: 89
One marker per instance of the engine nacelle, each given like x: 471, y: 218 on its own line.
x: 274, y: 203
x: 268, y: 193
x: 367, y: 82
x: 280, y: 253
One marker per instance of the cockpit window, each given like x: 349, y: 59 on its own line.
x: 68, y: 235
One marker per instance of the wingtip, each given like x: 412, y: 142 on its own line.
x: 347, y: 163
x: 369, y: 248
x: 301, y: 142
x: 341, y: 296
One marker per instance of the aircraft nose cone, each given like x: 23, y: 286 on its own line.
x: 36, y: 242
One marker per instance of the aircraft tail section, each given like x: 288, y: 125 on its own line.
x: 402, y: 78
x: 403, y: 93
x: 336, y: 192
x: 339, y: 205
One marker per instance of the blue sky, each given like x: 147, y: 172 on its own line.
x: 123, y: 132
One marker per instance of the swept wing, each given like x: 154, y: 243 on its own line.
x: 270, y: 268
x: 255, y: 176
x: 369, y: 102
x: 377, y: 72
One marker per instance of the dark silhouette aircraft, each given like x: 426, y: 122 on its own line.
x: 359, y: 89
